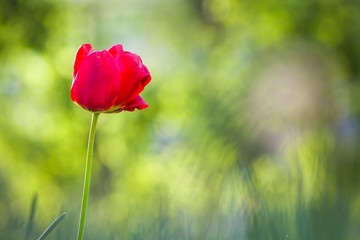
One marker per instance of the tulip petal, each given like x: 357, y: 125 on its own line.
x: 145, y: 78
x: 135, y: 76
x: 137, y: 103
x: 97, y: 82
x: 81, y: 53
x: 116, y: 51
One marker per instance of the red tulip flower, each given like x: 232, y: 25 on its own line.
x: 108, y: 81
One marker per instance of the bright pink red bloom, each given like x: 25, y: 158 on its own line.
x: 108, y: 81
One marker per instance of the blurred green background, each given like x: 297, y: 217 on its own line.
x: 252, y: 130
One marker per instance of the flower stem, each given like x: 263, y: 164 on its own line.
x: 85, y: 196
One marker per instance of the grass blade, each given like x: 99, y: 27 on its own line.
x: 30, y: 224
x: 51, y: 227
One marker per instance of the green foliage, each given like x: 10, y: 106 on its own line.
x: 251, y: 132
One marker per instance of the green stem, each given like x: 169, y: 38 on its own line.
x: 87, y: 176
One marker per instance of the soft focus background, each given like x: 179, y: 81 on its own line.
x: 252, y: 130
